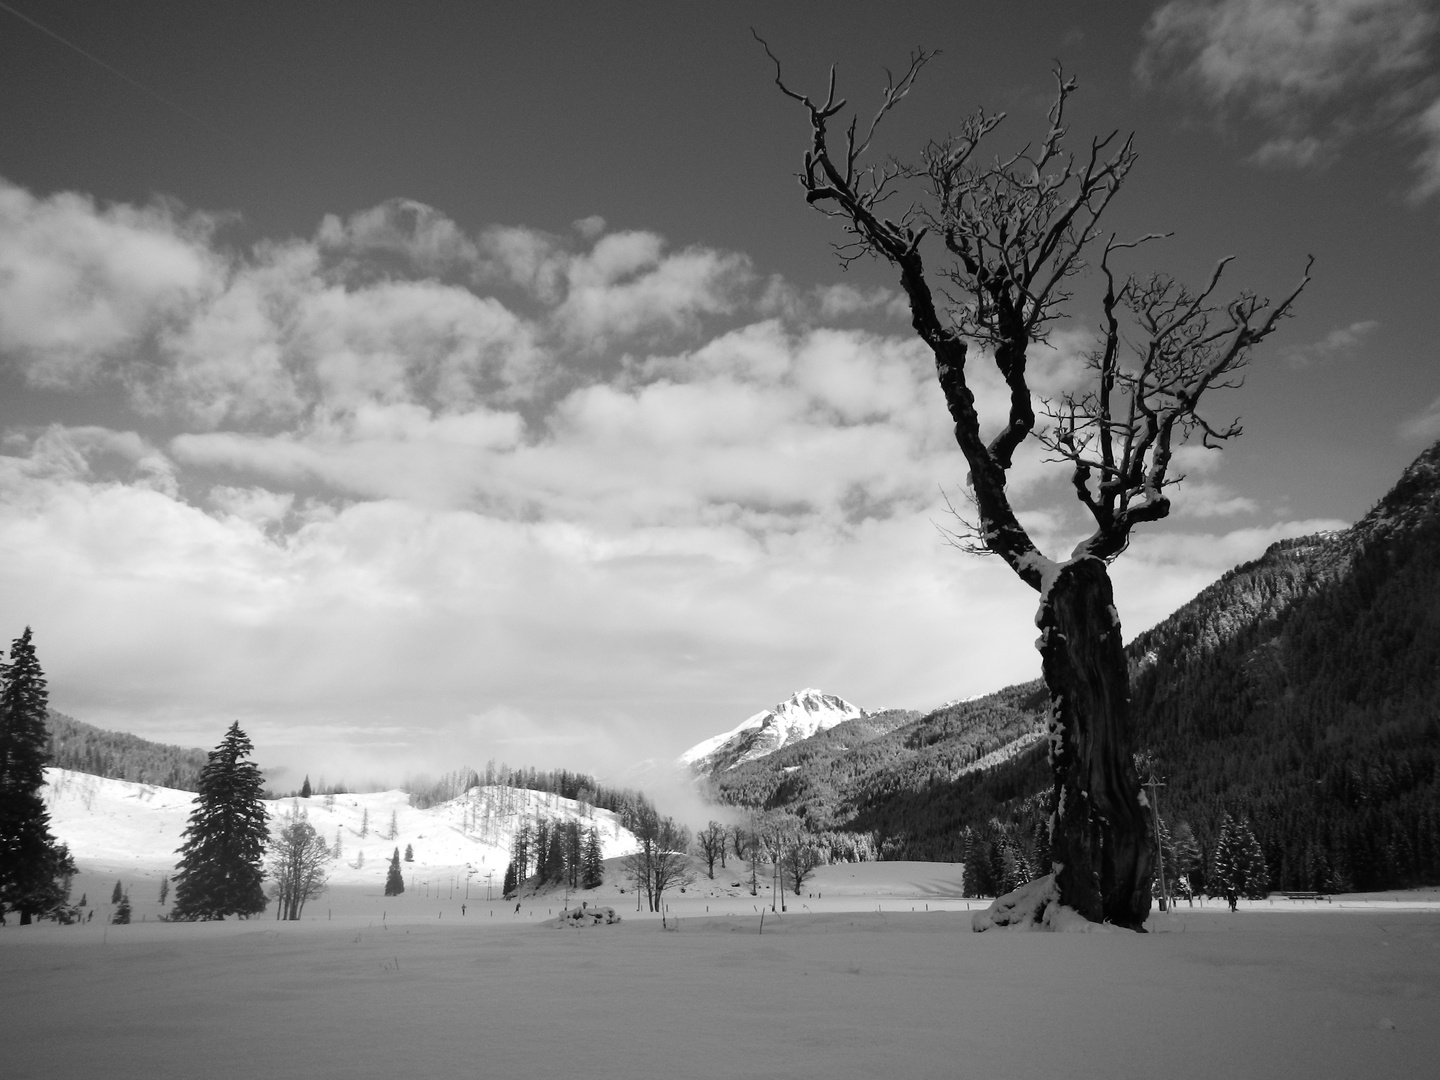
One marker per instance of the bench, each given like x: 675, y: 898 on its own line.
x: 1306, y: 895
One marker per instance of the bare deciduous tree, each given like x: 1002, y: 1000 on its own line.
x: 298, y: 866
x: 1014, y: 233
x: 662, y: 861
x: 711, y: 841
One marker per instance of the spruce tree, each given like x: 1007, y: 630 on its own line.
x: 394, y: 881
x: 409, y: 853
x: 305, y: 788
x: 221, y: 859
x: 594, y: 861
x: 116, y: 893
x: 510, y: 885
x: 35, y: 870
x: 164, y: 889
x: 122, y: 912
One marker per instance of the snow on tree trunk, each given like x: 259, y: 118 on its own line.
x: 1100, y: 837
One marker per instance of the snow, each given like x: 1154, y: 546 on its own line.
x: 803, y: 714
x: 398, y: 987
x: 128, y: 826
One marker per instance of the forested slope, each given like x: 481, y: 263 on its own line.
x: 1301, y: 691
x: 85, y: 748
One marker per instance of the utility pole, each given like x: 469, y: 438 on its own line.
x: 1152, y: 784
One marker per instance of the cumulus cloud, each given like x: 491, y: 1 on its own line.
x: 1315, y: 71
x: 427, y: 493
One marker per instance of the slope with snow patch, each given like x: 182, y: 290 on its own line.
x: 119, y: 823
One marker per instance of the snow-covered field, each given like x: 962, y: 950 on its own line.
x: 872, y: 972
x: 865, y: 983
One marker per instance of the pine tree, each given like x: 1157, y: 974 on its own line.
x: 122, y: 912
x: 394, y: 826
x: 594, y: 861
x: 221, y: 859
x: 35, y: 870
x: 305, y: 788
x: 409, y: 853
x: 339, y: 848
x: 510, y: 884
x: 365, y: 823
x: 164, y: 889
x: 116, y: 893
x: 394, y: 882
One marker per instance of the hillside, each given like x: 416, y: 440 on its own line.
x: 85, y: 748
x: 1300, y: 690
x: 119, y: 824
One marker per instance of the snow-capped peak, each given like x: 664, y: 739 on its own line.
x: 803, y: 714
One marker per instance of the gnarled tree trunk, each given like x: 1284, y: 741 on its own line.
x: 1100, y: 836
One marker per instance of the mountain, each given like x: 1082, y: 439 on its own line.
x: 802, y: 715
x: 1299, y: 691
x: 118, y: 823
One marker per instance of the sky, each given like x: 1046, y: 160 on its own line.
x: 420, y: 384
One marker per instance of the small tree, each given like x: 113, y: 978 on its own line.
x: 299, y: 865
x: 121, y: 916
x: 1013, y: 232
x: 711, y: 841
x: 221, y: 860
x: 394, y: 881
x: 164, y: 889
x: 365, y: 823
x: 116, y: 893
x: 801, y: 857
x: 409, y: 853
x: 337, y: 850
x: 305, y: 788
x: 394, y: 826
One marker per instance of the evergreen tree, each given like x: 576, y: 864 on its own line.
x: 594, y: 861
x: 116, y: 893
x: 510, y: 885
x: 339, y: 848
x: 164, y: 889
x: 365, y: 823
x: 122, y: 913
x: 305, y: 788
x: 409, y: 853
x: 394, y: 882
x: 221, y: 859
x: 555, y: 860
x: 35, y: 870
x: 394, y: 826
x: 1238, y: 866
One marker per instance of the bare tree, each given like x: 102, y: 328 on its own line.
x: 661, y: 863
x: 1014, y: 232
x: 801, y: 857
x: 299, y: 861
x: 711, y: 841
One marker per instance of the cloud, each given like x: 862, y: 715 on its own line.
x: 82, y: 285
x: 1424, y: 426
x: 1340, y: 343
x: 1315, y: 71
x: 1427, y: 164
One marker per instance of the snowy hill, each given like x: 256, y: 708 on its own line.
x: 805, y: 713
x: 120, y: 823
